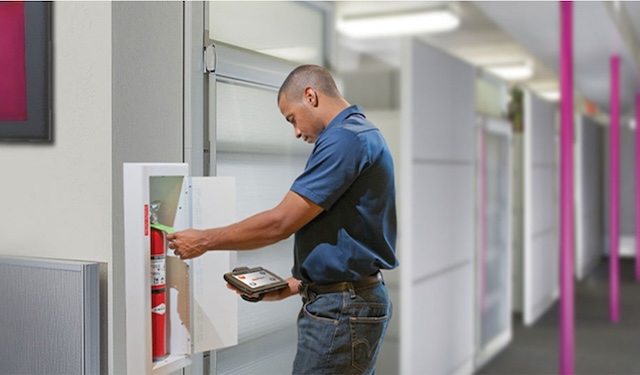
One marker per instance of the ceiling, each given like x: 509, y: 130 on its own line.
x: 502, y: 31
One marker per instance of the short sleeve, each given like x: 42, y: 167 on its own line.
x: 334, y: 164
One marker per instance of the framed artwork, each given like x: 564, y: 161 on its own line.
x: 25, y: 71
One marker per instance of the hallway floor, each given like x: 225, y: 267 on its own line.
x: 601, y: 347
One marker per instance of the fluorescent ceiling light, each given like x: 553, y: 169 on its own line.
x: 394, y: 24
x: 551, y: 95
x: 512, y: 72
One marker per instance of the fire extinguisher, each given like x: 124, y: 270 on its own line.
x: 158, y: 286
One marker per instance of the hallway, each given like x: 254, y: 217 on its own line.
x: 600, y: 346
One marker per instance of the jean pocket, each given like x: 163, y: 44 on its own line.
x: 366, y: 336
x: 323, y: 310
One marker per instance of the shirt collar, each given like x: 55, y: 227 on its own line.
x: 354, y: 109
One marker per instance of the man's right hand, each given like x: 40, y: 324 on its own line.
x: 187, y: 244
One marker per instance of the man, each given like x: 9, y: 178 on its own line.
x: 342, y: 211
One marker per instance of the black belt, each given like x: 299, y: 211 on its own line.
x: 364, y: 283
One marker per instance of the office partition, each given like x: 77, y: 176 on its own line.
x: 50, y: 316
x: 589, y: 186
x: 437, y: 212
x: 541, y: 247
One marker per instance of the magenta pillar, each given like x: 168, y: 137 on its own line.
x: 614, y: 191
x: 638, y: 187
x: 566, y: 189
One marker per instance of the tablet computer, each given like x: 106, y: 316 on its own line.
x: 255, y: 280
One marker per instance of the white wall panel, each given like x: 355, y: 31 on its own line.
x: 443, y: 322
x: 540, y: 115
x: 541, y: 208
x: 442, y: 215
x: 437, y: 206
x: 543, y: 192
x: 545, y: 264
x: 443, y: 113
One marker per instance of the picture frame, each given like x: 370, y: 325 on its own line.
x: 25, y: 72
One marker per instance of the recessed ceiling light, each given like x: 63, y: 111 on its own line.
x: 551, y: 95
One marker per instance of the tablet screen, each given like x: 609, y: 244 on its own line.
x: 256, y: 279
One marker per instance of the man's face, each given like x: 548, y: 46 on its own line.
x: 301, y: 114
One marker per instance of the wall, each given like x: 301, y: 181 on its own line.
x: 56, y: 198
x: 61, y: 197
x: 147, y: 116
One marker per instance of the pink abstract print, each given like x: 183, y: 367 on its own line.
x: 13, y: 78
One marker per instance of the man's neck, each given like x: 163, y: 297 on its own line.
x: 333, y: 109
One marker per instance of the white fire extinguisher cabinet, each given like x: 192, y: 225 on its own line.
x: 201, y: 313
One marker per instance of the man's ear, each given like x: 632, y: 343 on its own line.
x: 311, y: 96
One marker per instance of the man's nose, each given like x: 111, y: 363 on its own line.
x: 298, y: 132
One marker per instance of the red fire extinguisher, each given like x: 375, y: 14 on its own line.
x: 158, y: 288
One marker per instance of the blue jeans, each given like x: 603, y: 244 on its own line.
x: 341, y: 333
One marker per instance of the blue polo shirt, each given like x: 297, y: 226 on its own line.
x: 350, y: 175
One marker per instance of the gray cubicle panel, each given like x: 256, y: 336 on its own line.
x: 589, y: 183
x: 49, y: 316
x: 627, y: 192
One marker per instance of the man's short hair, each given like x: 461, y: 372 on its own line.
x: 308, y: 76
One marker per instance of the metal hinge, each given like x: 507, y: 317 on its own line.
x: 210, y: 59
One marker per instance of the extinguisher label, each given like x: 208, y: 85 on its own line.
x: 160, y: 309
x: 146, y: 219
x: 158, y: 271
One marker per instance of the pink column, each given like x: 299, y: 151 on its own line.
x: 566, y: 189
x: 614, y: 191
x: 638, y: 187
